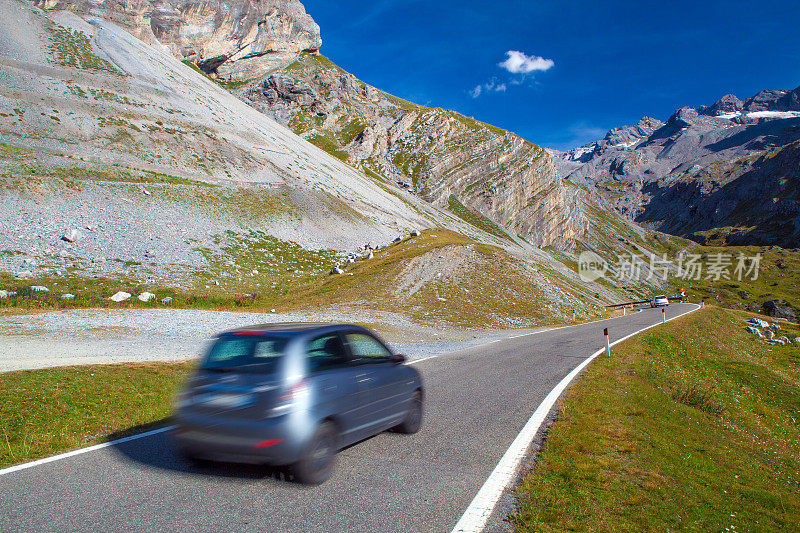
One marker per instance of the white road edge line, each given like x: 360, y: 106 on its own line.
x: 480, y: 509
x: 23, y: 466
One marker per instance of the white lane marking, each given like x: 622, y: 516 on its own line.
x: 415, y: 361
x: 23, y: 466
x: 480, y: 509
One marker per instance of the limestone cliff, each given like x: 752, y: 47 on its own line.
x: 451, y: 160
x: 237, y: 40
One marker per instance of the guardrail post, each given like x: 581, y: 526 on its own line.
x: 608, y: 346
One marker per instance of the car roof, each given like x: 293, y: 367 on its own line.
x: 290, y: 327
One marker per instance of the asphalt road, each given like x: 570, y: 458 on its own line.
x: 477, y: 401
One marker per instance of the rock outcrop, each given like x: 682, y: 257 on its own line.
x: 732, y: 166
x: 446, y: 158
x: 236, y: 40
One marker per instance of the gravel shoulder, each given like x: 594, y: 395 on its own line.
x: 91, y: 336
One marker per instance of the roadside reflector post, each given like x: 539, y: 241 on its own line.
x: 608, y: 346
x: 573, y: 315
x: 663, y: 316
x: 623, y: 309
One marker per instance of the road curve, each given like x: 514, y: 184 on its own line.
x: 477, y: 402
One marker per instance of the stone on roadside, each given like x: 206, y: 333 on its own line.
x: 751, y: 329
x: 146, y: 296
x: 67, y: 296
x: 120, y: 296
x: 166, y: 301
x: 71, y: 235
x: 370, y: 255
x: 785, y: 339
x: 769, y: 334
x: 336, y: 270
x: 39, y: 288
x: 415, y: 233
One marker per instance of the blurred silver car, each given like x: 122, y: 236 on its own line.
x: 294, y: 394
x: 660, y: 301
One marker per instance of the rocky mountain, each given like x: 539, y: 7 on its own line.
x: 728, y: 171
x: 484, y: 175
x: 236, y: 40
x: 450, y: 160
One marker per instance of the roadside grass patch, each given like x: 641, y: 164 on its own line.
x: 47, y: 411
x: 694, y: 425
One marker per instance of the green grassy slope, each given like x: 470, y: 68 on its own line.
x: 691, y: 426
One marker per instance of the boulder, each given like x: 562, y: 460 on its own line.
x: 146, y: 296
x: 336, y: 270
x: 751, y: 329
x: 785, y: 339
x: 39, y: 288
x: 71, y: 235
x: 769, y: 334
x: 780, y: 309
x: 120, y: 296
x: 166, y: 301
x: 370, y: 255
x: 67, y: 296
x: 415, y: 233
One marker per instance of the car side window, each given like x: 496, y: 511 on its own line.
x: 366, y: 347
x: 325, y: 353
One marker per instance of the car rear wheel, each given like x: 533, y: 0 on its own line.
x: 413, y: 420
x: 317, y: 462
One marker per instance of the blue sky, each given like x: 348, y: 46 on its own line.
x: 612, y: 62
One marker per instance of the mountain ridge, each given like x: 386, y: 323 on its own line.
x: 645, y: 171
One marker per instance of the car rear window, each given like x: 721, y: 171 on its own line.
x: 255, y: 353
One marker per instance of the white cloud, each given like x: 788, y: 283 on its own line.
x: 520, y: 63
x: 490, y: 86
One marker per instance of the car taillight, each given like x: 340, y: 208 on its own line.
x: 295, y: 396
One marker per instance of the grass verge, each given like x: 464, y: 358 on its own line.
x: 47, y: 411
x: 691, y: 426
